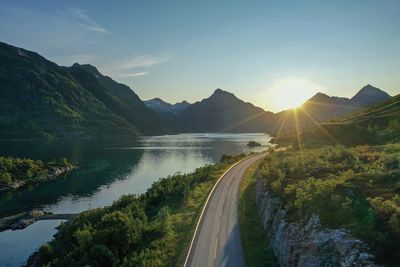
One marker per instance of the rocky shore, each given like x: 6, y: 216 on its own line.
x: 307, y: 244
x: 21, y: 220
x: 54, y: 172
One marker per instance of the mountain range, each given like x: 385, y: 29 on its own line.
x: 39, y: 99
x: 224, y: 112
x: 166, y: 109
x: 378, y: 124
x: 321, y: 108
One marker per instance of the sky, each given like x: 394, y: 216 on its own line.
x: 184, y: 50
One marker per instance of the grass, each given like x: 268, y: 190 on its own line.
x: 254, y: 240
x: 186, y: 220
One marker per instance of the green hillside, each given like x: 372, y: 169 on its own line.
x: 377, y: 125
x: 322, y: 108
x: 39, y: 99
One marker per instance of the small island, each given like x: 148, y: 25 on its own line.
x: 253, y: 144
x: 16, y: 172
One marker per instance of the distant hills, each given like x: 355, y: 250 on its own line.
x: 369, y: 95
x: 377, y: 125
x: 222, y: 112
x: 165, y: 109
x: 39, y: 99
x: 321, y: 108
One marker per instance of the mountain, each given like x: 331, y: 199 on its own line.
x: 223, y: 112
x: 378, y: 124
x: 165, y: 109
x: 369, y: 96
x: 39, y: 99
x: 180, y: 106
x: 322, y: 108
x: 119, y: 98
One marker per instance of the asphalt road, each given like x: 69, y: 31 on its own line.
x: 217, y: 241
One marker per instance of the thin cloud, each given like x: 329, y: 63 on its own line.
x: 82, y: 15
x: 98, y: 29
x: 133, y: 66
x: 145, y: 61
x: 86, y: 21
x: 135, y: 74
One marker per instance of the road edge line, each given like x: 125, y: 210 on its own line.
x: 206, y: 203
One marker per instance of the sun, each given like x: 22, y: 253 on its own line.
x: 290, y: 93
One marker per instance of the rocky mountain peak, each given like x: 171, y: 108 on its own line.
x: 369, y: 95
x: 90, y: 68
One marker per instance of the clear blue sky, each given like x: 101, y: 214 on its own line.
x: 185, y: 49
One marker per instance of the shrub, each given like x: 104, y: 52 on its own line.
x: 355, y: 188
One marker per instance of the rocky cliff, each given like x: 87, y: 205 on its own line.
x: 307, y: 244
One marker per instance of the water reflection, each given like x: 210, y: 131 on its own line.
x: 17, y: 246
x: 107, y: 170
x: 96, y: 170
x: 110, y: 168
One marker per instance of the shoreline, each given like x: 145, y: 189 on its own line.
x: 55, y: 173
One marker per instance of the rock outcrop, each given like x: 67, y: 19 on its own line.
x: 28, y: 219
x: 308, y: 244
x: 21, y: 220
x: 54, y: 172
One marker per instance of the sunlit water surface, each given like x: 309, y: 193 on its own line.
x: 107, y: 170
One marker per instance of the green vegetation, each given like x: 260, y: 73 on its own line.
x: 370, y: 132
x: 354, y: 188
x: 253, y: 237
x: 253, y: 144
x: 15, y: 171
x: 375, y: 126
x: 39, y: 99
x: 152, y: 229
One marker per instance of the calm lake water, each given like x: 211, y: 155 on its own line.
x: 107, y: 170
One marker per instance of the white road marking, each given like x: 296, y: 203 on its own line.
x: 216, y: 248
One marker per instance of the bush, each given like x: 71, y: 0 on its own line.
x: 5, y: 177
x: 354, y: 188
x: 152, y: 229
x: 16, y: 169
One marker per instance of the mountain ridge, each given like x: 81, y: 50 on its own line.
x: 222, y: 112
x: 166, y: 109
x: 379, y: 124
x: 40, y: 99
x: 369, y: 95
x: 204, y: 114
x: 322, y: 107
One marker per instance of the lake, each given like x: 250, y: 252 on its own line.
x: 107, y: 170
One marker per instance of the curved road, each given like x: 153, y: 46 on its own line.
x: 217, y: 240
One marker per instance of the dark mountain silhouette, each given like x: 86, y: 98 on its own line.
x: 322, y: 108
x: 379, y: 124
x: 223, y: 112
x: 166, y: 109
x: 39, y: 99
x: 369, y: 96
